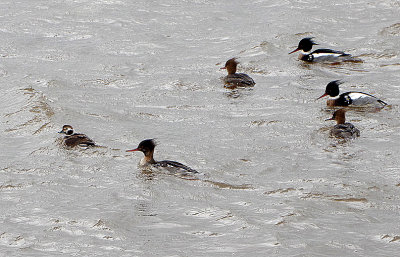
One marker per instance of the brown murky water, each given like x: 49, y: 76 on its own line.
x: 272, y: 180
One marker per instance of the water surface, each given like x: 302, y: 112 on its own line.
x: 273, y: 182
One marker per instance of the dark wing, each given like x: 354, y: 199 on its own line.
x: 239, y: 79
x: 329, y: 51
x: 78, y: 139
x: 175, y: 165
x: 346, y: 130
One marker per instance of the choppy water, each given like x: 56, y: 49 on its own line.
x: 273, y: 182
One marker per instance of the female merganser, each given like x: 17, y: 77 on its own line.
x: 349, y: 98
x: 72, y: 139
x: 236, y: 79
x: 147, y: 147
x: 320, y: 55
x: 343, y: 129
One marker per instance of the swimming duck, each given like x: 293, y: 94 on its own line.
x: 147, y: 147
x: 343, y: 129
x: 349, y: 98
x: 321, y: 55
x: 234, y: 79
x: 72, y: 139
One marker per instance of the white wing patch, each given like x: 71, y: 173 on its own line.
x: 318, y: 57
x: 362, y: 98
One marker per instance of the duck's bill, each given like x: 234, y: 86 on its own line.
x: 294, y: 51
x: 322, y: 96
x: 133, y: 150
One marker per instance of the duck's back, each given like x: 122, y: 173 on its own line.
x: 328, y: 55
x: 174, y: 167
x: 78, y: 140
x: 359, y: 99
x: 346, y: 130
x: 239, y: 79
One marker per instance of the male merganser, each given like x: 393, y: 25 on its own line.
x: 72, y: 139
x: 349, y: 98
x: 236, y: 79
x: 320, y: 55
x: 147, y: 147
x: 343, y: 129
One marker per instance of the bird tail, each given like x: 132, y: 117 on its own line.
x: 382, y: 102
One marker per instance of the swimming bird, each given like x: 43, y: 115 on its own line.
x: 72, y: 139
x: 321, y: 55
x: 349, y: 98
x: 147, y: 147
x: 234, y: 79
x: 343, y: 129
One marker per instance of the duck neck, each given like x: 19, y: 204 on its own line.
x: 231, y: 69
x: 331, y: 102
x: 340, y: 120
x: 147, y: 159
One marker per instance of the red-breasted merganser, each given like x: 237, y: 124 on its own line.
x: 236, y: 79
x: 349, y: 98
x: 343, y: 129
x: 72, y: 139
x: 321, y: 55
x: 147, y: 147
